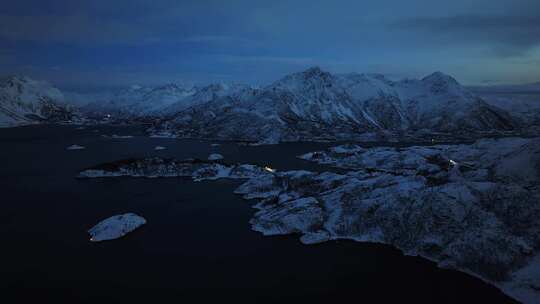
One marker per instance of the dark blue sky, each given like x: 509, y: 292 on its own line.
x: 109, y: 43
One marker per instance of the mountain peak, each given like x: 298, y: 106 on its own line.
x: 29, y: 91
x: 27, y: 85
x: 13, y: 79
x: 314, y: 72
x: 217, y: 87
x: 172, y: 87
x: 440, y: 77
x: 441, y: 83
x: 313, y: 76
x: 313, y: 69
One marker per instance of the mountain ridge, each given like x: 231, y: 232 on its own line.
x: 308, y: 105
x: 317, y: 104
x: 26, y: 101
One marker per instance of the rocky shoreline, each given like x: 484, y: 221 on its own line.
x: 474, y: 208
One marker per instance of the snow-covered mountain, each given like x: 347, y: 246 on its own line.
x: 315, y: 104
x: 521, y: 101
x: 309, y: 105
x: 25, y: 101
x: 203, y: 95
x: 140, y: 101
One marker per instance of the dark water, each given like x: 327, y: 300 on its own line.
x: 197, y: 244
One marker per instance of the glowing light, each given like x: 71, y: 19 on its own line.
x: 453, y: 163
x: 269, y: 169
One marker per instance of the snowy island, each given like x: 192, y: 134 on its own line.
x: 474, y: 208
x: 115, y: 227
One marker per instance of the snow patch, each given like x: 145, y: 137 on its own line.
x: 75, y: 147
x: 215, y: 156
x: 115, y: 227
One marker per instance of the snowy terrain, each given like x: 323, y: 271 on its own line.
x: 312, y: 105
x: 196, y: 169
x: 215, y: 156
x: 521, y: 101
x: 316, y: 105
x: 158, y: 101
x: 115, y: 227
x: 76, y: 147
x: 25, y: 101
x: 473, y: 208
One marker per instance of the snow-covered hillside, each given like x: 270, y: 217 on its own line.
x: 309, y: 105
x: 25, y: 101
x: 473, y: 208
x: 521, y: 101
x: 140, y: 101
x: 315, y: 104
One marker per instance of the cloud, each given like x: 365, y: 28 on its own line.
x: 7, y: 57
x: 268, y: 59
x: 505, y: 35
x: 4, y: 56
x: 135, y: 22
x: 221, y: 41
x: 257, y: 41
x: 78, y: 29
x: 212, y: 39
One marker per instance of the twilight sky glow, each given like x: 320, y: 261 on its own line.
x: 97, y: 43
